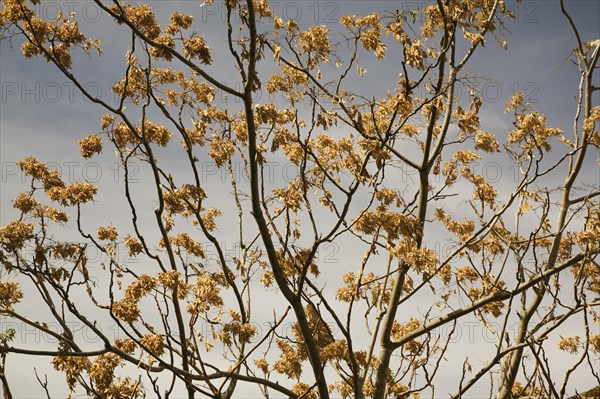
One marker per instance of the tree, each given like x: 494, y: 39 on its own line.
x: 188, y: 320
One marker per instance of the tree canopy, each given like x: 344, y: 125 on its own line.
x: 277, y: 224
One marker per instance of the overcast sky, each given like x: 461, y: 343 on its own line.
x: 42, y: 114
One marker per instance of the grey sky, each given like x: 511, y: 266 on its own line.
x: 42, y: 114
